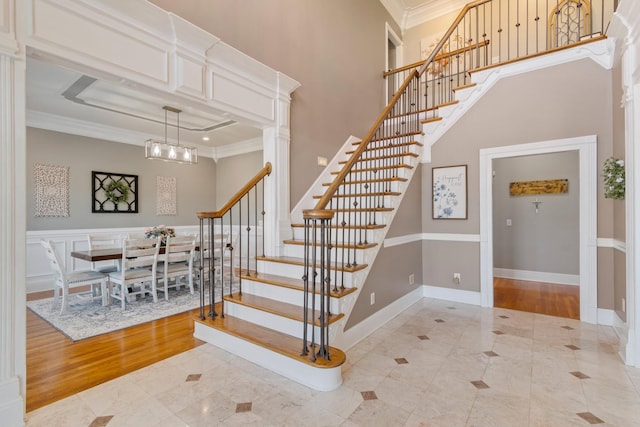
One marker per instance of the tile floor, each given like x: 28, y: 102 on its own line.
x: 437, y: 364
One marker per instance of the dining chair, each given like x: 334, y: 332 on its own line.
x: 138, y: 273
x: 177, y: 263
x: 104, y: 241
x: 64, y: 281
x: 216, y: 251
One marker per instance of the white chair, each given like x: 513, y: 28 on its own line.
x: 104, y: 241
x: 64, y: 280
x: 216, y: 251
x: 138, y: 272
x: 177, y: 262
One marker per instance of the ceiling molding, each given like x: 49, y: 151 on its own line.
x: 72, y: 126
x: 237, y: 148
x: 409, y: 17
x: 428, y: 11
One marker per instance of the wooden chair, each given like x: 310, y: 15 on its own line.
x: 64, y: 280
x: 177, y: 262
x: 138, y: 273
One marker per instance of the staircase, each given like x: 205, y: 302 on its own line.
x: 288, y: 311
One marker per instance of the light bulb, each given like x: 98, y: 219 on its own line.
x: 172, y: 153
x: 186, y: 155
x: 156, y: 149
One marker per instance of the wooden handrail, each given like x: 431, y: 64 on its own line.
x: 437, y: 58
x: 449, y: 32
x: 328, y: 194
x: 266, y: 170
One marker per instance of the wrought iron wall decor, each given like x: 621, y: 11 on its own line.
x: 114, y: 192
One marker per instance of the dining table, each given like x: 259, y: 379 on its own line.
x: 110, y: 254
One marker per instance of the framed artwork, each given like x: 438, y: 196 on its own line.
x: 449, y: 196
x: 166, y: 195
x: 114, y: 192
x: 51, y: 190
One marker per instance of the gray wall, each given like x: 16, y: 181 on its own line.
x: 546, y: 241
x: 557, y: 102
x: 196, y: 184
x: 334, y: 48
x: 389, y: 276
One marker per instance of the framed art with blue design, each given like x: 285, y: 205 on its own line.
x: 449, y: 197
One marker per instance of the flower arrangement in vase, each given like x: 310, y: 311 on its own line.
x: 159, y: 231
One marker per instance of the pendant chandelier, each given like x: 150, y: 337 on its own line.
x: 164, y: 150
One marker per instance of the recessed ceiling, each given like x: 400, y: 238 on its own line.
x: 69, y: 101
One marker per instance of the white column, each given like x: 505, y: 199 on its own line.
x: 276, y: 142
x: 12, y: 230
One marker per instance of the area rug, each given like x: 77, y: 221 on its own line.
x: 85, y: 318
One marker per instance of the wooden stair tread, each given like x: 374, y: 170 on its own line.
x: 386, y: 138
x: 375, y: 194
x: 279, y: 308
x: 389, y: 146
x: 389, y: 156
x: 291, y: 283
x: 399, y: 165
x: 275, y: 341
x: 335, y: 245
x: 370, y: 181
x: 300, y: 261
x: 468, y: 85
x: 349, y: 227
x: 432, y: 119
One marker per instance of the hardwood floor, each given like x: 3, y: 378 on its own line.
x: 58, y: 367
x: 537, y: 297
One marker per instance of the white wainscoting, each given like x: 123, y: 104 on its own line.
x: 39, y: 275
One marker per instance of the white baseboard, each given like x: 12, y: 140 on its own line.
x: 11, y: 403
x: 453, y: 295
x: 365, y: 328
x: 606, y: 317
x: 538, y: 276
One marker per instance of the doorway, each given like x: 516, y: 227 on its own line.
x: 535, y: 233
x: 587, y: 271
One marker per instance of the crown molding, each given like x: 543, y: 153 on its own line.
x: 243, y: 147
x: 409, y: 17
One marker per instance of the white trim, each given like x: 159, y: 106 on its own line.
x: 357, y: 333
x: 453, y: 295
x: 237, y: 148
x: 450, y: 237
x: 537, y: 276
x: 606, y: 317
x: 11, y: 405
x: 587, y: 148
x: 402, y: 240
x: 616, y: 244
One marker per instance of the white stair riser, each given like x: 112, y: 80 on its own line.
x: 372, y: 202
x: 296, y: 271
x: 272, y: 321
x: 297, y: 251
x: 323, y: 379
x: 400, y: 172
x: 283, y: 294
x: 371, y: 235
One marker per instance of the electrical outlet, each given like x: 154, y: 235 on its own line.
x: 456, y: 278
x: 624, y: 305
x: 412, y: 279
x: 373, y: 298
x: 509, y: 223
x: 322, y: 161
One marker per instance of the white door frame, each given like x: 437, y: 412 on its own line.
x: 587, y: 149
